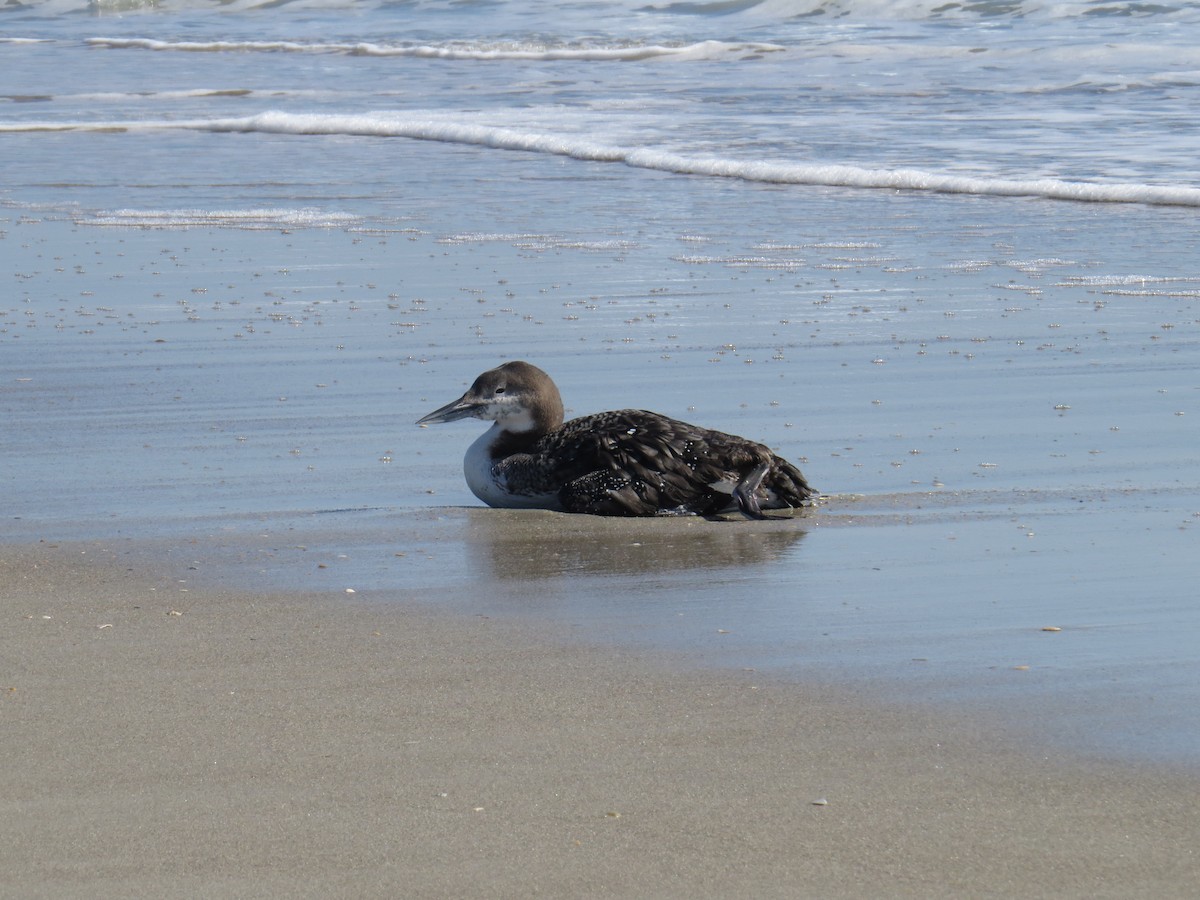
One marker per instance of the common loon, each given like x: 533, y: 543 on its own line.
x: 623, y: 463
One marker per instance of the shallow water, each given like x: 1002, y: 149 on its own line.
x: 220, y: 328
x: 253, y: 403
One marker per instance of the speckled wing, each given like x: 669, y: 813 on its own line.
x: 639, y: 463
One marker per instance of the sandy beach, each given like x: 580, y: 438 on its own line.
x: 259, y: 642
x: 971, y: 672
x: 257, y: 637
x: 170, y: 740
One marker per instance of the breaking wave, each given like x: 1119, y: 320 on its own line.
x: 631, y: 52
x: 771, y: 172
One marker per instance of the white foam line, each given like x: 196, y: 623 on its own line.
x: 243, y: 218
x: 629, y: 53
x: 378, y: 125
x: 773, y: 173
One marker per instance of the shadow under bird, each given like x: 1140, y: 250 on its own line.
x: 628, y: 462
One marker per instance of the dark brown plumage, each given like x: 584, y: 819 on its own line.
x: 623, y: 463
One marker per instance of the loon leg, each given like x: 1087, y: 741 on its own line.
x: 746, y: 489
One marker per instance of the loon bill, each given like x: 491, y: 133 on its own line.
x: 627, y: 462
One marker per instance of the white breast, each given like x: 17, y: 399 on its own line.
x: 490, y: 486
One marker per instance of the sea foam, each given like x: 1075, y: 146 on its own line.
x: 573, y: 147
x: 627, y: 52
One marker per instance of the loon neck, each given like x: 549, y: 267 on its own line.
x: 503, y: 442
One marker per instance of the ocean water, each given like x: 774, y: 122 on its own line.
x: 945, y: 256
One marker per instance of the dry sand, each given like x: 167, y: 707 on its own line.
x: 209, y: 742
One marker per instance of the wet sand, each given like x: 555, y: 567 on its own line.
x: 209, y: 440
x: 171, y: 737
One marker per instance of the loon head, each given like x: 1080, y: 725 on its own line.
x: 518, y: 397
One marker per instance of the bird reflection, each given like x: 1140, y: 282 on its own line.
x: 530, y: 544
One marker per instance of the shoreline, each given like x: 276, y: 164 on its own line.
x: 176, y: 739
x: 837, y: 597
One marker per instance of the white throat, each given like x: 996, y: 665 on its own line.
x: 517, y: 421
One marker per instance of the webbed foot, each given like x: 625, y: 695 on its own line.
x: 748, y: 487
